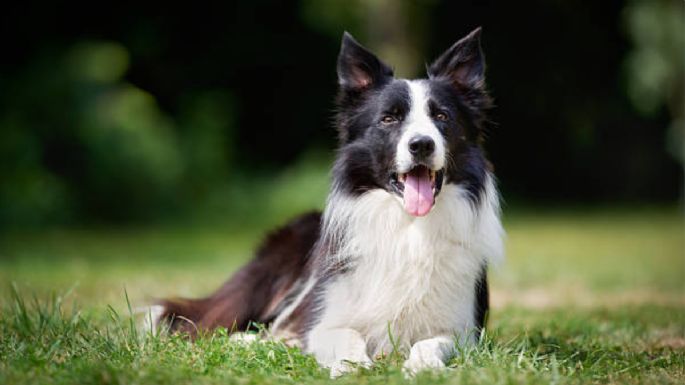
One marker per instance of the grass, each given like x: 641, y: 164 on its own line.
x: 591, y: 296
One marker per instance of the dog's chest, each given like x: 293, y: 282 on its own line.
x: 409, y: 280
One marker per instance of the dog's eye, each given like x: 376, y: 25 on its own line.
x: 441, y: 116
x: 388, y: 119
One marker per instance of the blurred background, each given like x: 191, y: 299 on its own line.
x: 215, y: 122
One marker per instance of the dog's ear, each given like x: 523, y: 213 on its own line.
x: 358, y: 68
x: 463, y: 63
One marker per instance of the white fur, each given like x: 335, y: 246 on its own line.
x: 412, y: 278
x: 344, y: 347
x: 151, y: 318
x: 430, y: 353
x: 418, y: 123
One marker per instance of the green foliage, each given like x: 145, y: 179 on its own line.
x: 132, y: 150
x: 116, y: 155
x: 79, y: 142
x: 656, y: 64
x: 100, y: 62
x: 148, y: 126
x: 206, y: 130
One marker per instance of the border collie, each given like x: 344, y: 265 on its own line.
x: 398, y: 258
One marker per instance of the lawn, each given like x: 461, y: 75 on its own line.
x: 585, y: 296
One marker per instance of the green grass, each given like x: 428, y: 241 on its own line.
x: 585, y: 297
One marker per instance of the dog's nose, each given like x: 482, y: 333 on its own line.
x: 421, y: 146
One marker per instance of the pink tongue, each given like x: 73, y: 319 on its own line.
x: 418, y: 193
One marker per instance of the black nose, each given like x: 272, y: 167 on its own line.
x: 421, y: 146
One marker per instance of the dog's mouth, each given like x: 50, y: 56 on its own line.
x: 418, y: 188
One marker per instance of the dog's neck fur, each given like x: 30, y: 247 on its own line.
x: 369, y: 227
x: 402, y: 265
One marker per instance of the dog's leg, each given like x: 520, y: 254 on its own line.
x: 431, y: 353
x: 339, y: 350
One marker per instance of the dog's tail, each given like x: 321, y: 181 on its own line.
x: 256, y: 292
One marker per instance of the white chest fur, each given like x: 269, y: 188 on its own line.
x: 411, y: 278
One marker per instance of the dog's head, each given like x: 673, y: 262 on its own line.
x: 409, y: 137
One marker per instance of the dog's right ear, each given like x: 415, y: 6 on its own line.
x: 358, y: 68
x: 463, y: 63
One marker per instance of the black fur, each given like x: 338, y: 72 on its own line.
x: 482, y: 304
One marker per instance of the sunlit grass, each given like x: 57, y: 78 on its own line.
x: 593, y: 296
x: 43, y: 343
x: 599, y: 249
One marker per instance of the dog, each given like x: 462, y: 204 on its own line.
x: 399, y: 257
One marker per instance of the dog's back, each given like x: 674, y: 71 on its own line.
x: 258, y: 291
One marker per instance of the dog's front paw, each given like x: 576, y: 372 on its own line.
x: 341, y: 367
x: 422, y: 359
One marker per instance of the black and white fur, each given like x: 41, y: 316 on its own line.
x: 367, y: 275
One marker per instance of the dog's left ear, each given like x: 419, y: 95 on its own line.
x: 463, y: 63
x: 358, y: 68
